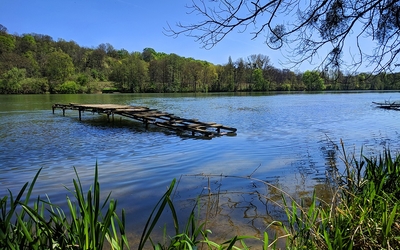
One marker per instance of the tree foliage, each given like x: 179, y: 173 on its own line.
x: 58, y: 68
x: 313, y: 81
x: 69, y: 87
x: 130, y: 74
x: 304, y: 28
x: 34, y: 63
x: 7, y: 43
x: 11, y: 80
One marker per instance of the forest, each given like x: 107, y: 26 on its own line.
x: 36, y: 63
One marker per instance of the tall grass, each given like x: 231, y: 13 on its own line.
x: 364, y: 212
x: 44, y: 225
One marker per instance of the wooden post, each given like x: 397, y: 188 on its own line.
x: 63, y: 111
x: 53, y: 109
x: 80, y: 114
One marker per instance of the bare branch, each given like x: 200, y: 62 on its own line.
x: 308, y: 28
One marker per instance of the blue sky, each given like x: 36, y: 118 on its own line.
x: 126, y: 24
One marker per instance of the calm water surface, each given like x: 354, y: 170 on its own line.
x: 283, y: 139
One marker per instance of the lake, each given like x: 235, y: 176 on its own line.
x: 288, y: 140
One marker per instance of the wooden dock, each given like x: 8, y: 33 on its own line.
x: 388, y: 105
x: 151, y: 116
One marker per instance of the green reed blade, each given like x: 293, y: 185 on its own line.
x: 266, y: 241
x: 174, y: 215
x: 28, y: 195
x: 231, y: 242
x: 155, y: 215
x: 14, y: 203
x: 24, y: 229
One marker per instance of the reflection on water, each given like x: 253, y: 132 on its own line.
x: 284, y: 142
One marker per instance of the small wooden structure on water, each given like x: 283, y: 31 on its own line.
x: 388, y: 105
x: 151, y: 116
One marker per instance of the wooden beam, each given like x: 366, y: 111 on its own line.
x: 151, y: 116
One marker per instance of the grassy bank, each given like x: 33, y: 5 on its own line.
x: 363, y: 213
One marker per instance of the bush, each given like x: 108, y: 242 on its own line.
x: 10, y: 82
x: 83, y: 79
x: 34, y: 86
x: 69, y: 87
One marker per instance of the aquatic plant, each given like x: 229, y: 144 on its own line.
x: 44, y: 225
x: 364, y: 211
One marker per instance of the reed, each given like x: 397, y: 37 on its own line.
x: 18, y: 232
x: 363, y: 214
x: 44, y: 225
x: 191, y: 236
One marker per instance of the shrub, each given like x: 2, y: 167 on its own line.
x: 69, y: 87
x: 34, y: 86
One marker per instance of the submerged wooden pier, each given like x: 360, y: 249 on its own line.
x: 388, y: 105
x: 151, y: 116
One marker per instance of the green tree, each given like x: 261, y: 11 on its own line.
x: 32, y: 66
x: 34, y: 86
x: 209, y: 76
x: 71, y: 48
x: 260, y: 83
x: 27, y: 44
x: 313, y: 81
x: 7, y: 43
x: 175, y: 72
x: 189, y: 76
x: 149, y: 54
x: 44, y: 46
x: 155, y: 74
x: 68, y: 87
x: 9, y: 60
x: 95, y: 61
x: 11, y: 81
x: 130, y: 74
x: 122, y: 54
x: 227, y: 77
x: 286, y: 86
x: 58, y: 68
x: 240, y: 74
x: 111, y: 51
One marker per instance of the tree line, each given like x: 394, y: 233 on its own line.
x: 35, y: 63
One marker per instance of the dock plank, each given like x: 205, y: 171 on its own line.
x: 152, y: 116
